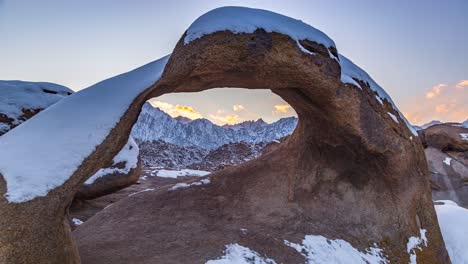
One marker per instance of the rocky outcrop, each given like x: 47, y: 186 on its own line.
x: 446, y: 137
x: 21, y: 100
x: 351, y: 170
x: 447, y: 157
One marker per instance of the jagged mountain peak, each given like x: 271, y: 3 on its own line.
x: 154, y: 124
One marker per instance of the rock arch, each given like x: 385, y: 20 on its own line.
x: 351, y: 170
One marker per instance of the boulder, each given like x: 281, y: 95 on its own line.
x: 352, y: 172
x: 447, y: 158
x: 125, y: 171
x: 21, y: 100
x: 446, y: 137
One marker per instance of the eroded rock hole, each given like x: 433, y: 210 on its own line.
x: 184, y: 136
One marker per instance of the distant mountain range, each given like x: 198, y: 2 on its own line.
x: 154, y: 124
x: 437, y: 122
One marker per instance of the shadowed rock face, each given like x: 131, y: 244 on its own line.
x: 348, y: 171
x: 447, y: 158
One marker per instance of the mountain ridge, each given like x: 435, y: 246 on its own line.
x: 153, y: 124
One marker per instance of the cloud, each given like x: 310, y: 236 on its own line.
x: 461, y: 84
x: 238, y: 107
x: 441, y: 109
x: 436, y: 90
x: 162, y: 105
x: 178, y: 110
x: 222, y: 120
x: 443, y: 102
x: 282, y: 108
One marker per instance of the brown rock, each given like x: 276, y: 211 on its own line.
x: 446, y: 137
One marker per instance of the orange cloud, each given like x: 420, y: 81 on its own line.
x: 442, y: 108
x: 442, y: 102
x: 461, y: 84
x: 436, y: 90
x: 282, y: 108
x: 238, y: 107
x: 178, y: 110
x: 222, y: 120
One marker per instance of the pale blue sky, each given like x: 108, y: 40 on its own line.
x: 407, y: 46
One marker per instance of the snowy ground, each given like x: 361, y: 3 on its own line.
x: 453, y: 221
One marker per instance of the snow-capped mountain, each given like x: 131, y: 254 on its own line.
x: 153, y: 124
x: 432, y: 123
x: 437, y: 122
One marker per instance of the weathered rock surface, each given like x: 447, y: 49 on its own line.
x: 447, y: 157
x: 446, y: 137
x: 349, y: 171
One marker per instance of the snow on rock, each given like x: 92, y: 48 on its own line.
x: 18, y: 95
x: 350, y: 72
x: 379, y: 100
x: 41, y: 154
x: 145, y: 190
x: 246, y: 20
x: 453, y: 221
x: 128, y: 155
x: 447, y: 160
x: 237, y: 254
x: 77, y: 221
x: 186, y: 185
x: 395, y: 119
x: 320, y: 250
x: 180, y: 173
x: 415, y: 243
x: 464, y: 136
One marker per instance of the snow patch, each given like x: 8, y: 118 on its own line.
x: 395, y: 119
x: 77, y: 221
x: 247, y: 20
x: 464, y: 136
x: 320, y: 250
x: 237, y: 254
x: 414, y: 243
x: 145, y: 190
x: 350, y: 71
x: 180, y: 173
x: 128, y: 154
x: 379, y: 99
x: 453, y: 221
x: 186, y: 185
x: 55, y: 142
x: 447, y: 160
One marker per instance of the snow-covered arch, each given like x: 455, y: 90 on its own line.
x: 351, y: 142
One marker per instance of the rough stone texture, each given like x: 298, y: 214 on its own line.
x: 445, y: 137
x: 449, y: 179
x: 348, y: 171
